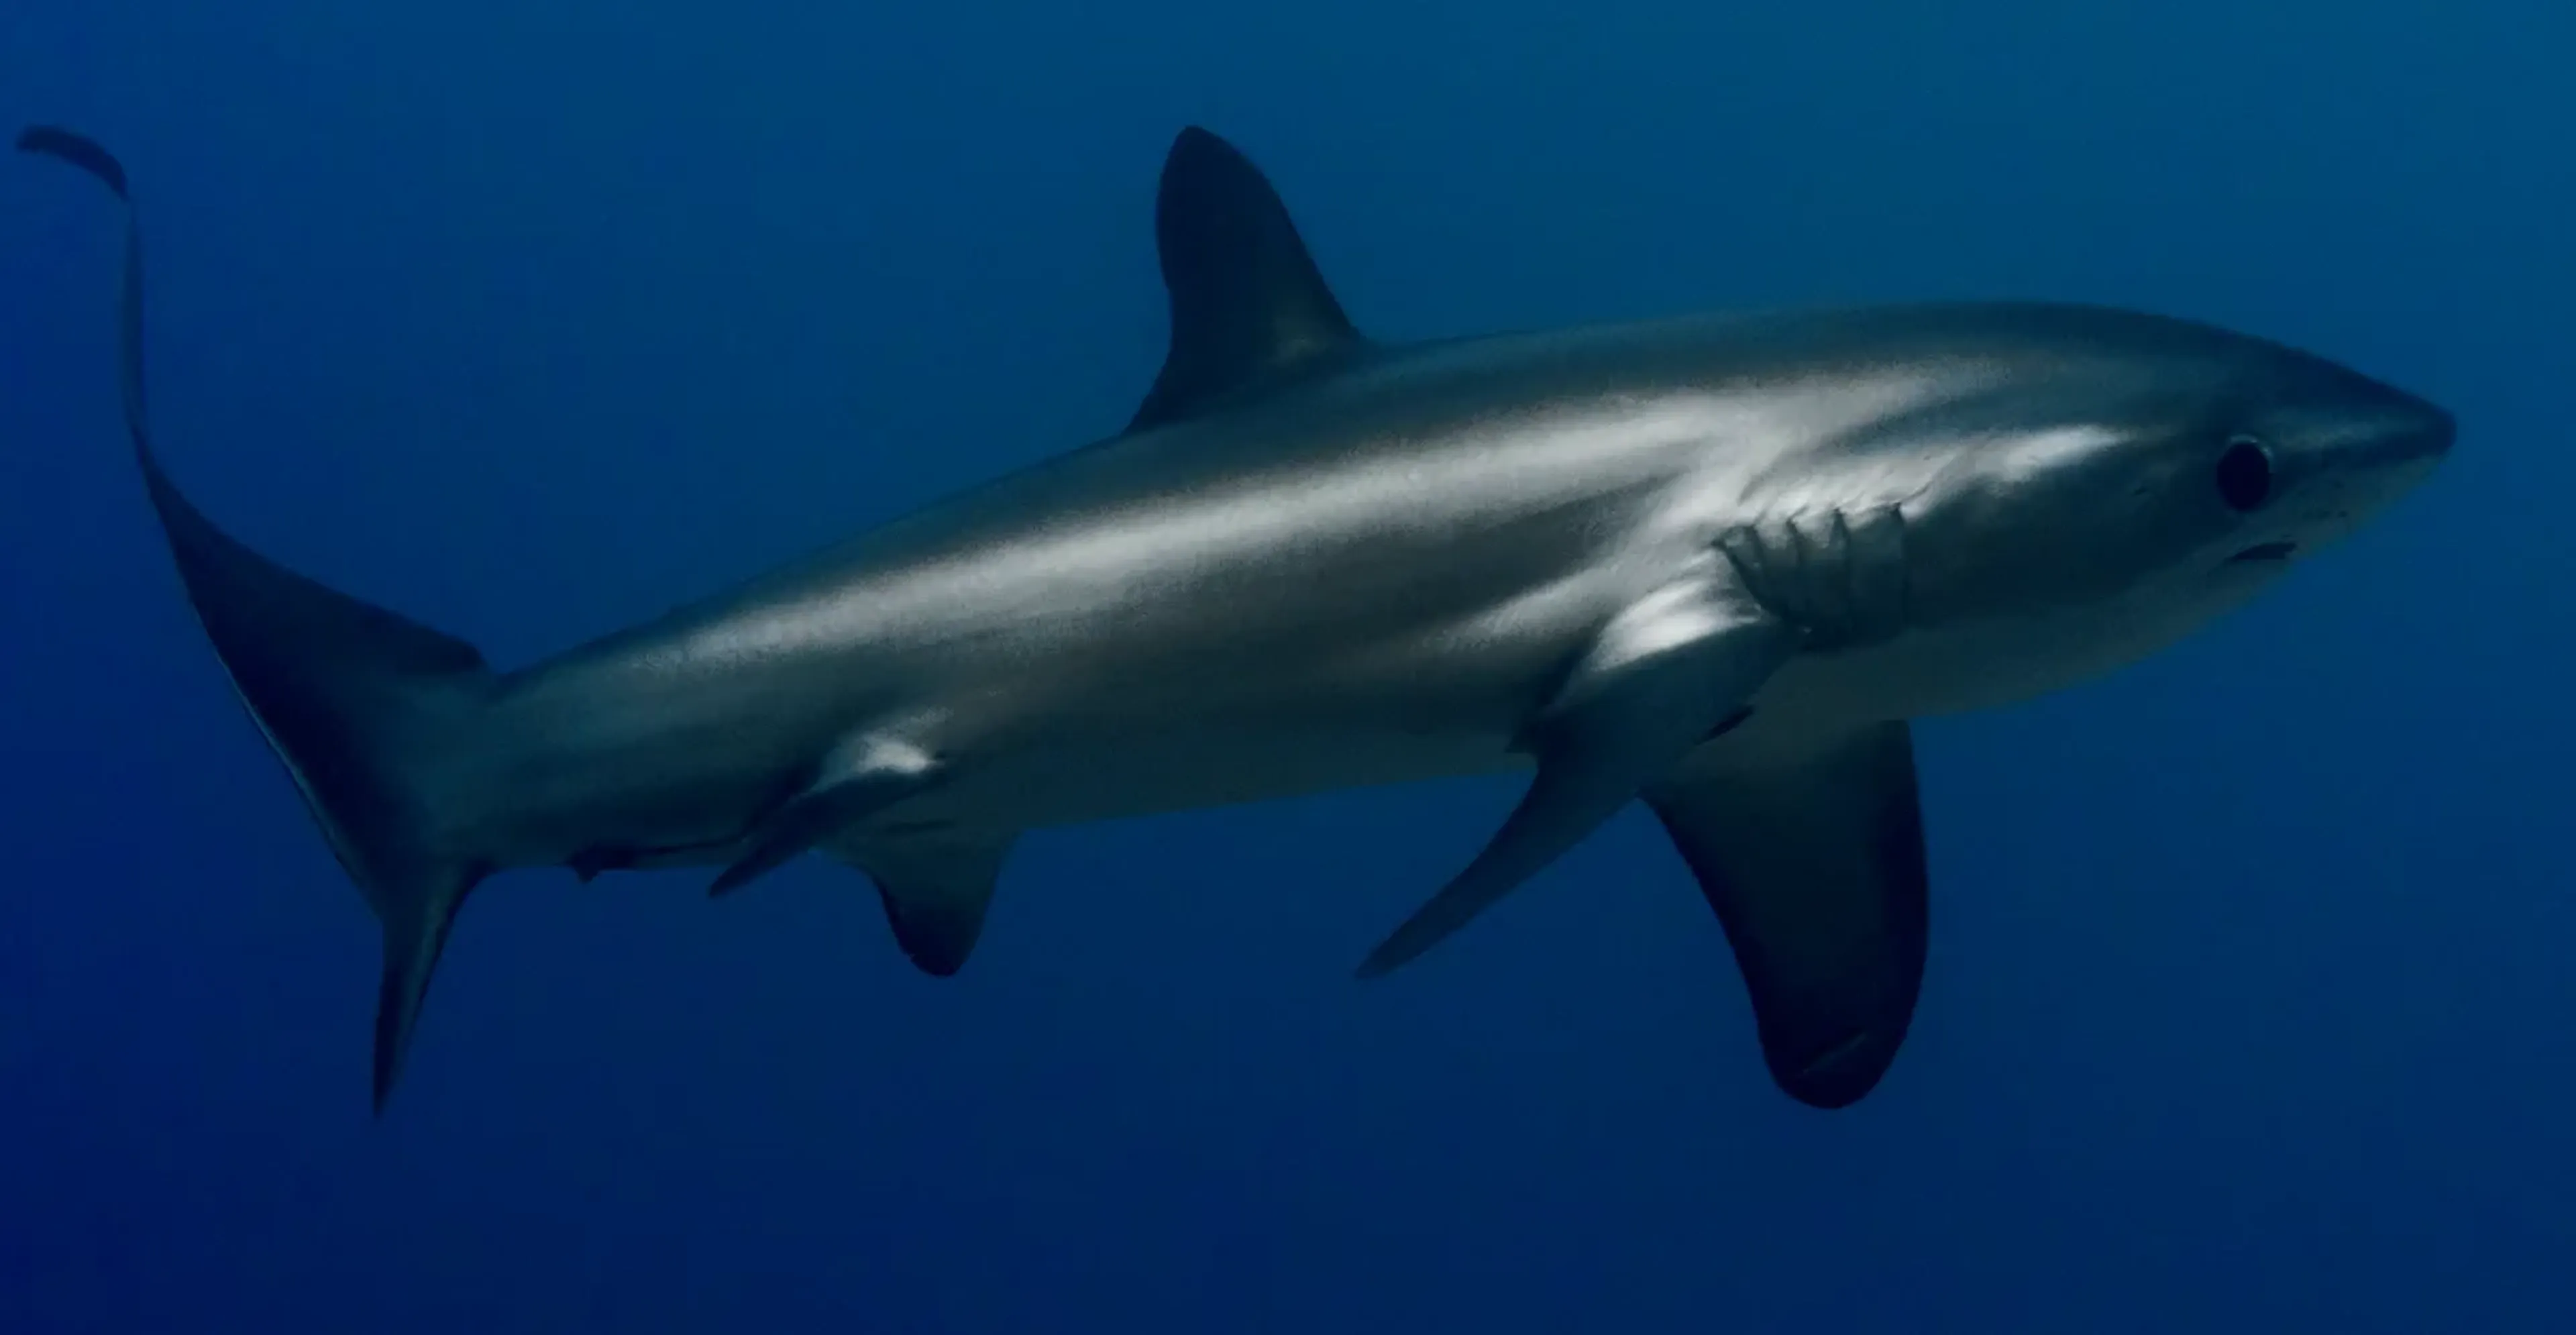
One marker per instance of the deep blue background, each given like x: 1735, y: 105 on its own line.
x: 2250, y: 999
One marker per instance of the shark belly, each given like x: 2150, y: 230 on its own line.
x: 1189, y: 769
x: 1407, y: 714
x: 1973, y: 663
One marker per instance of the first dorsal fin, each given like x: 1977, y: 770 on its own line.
x: 1248, y: 304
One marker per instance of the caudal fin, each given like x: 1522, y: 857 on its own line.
x: 361, y: 704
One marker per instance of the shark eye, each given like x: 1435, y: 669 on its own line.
x: 2245, y: 475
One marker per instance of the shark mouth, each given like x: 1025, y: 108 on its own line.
x: 2262, y: 552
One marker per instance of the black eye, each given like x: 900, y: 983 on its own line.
x: 2245, y: 474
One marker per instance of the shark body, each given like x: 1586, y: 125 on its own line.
x: 1713, y: 563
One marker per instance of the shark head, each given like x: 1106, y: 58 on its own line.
x: 2314, y: 451
x: 2094, y: 485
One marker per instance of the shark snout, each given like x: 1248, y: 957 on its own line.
x: 2335, y: 421
x: 2365, y: 446
x: 2390, y: 426
x: 2440, y: 428
x: 2422, y: 429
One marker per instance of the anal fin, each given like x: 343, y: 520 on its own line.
x: 1815, y: 865
x: 935, y: 887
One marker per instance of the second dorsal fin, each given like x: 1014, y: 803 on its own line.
x: 1248, y: 304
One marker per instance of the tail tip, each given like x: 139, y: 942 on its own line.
x: 78, y: 149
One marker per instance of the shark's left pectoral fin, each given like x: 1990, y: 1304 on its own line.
x: 1659, y: 678
x: 1815, y: 865
x: 935, y: 887
x: 859, y: 778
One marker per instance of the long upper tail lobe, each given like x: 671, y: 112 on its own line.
x: 368, y: 711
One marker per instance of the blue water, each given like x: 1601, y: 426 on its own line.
x: 2248, y: 1005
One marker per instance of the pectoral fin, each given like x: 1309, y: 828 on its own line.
x: 935, y: 888
x: 1660, y: 677
x: 1815, y: 865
